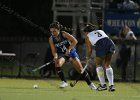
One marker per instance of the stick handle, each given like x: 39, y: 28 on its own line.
x: 84, y: 69
x: 34, y: 70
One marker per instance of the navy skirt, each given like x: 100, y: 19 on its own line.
x: 104, y: 46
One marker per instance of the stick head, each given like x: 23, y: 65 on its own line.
x: 34, y: 70
x: 72, y: 85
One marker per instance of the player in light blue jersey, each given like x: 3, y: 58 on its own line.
x: 63, y: 48
x: 105, y: 48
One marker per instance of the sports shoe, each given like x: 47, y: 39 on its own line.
x: 111, y: 88
x: 92, y: 86
x: 63, y: 84
x: 102, y: 87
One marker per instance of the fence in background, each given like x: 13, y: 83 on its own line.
x: 32, y: 54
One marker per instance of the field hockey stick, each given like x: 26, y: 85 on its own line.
x: 40, y: 67
x: 72, y: 84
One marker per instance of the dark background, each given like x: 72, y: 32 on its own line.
x: 22, y: 31
x: 37, y: 11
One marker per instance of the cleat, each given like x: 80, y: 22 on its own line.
x: 63, y: 84
x: 92, y: 86
x: 102, y: 87
x: 111, y: 88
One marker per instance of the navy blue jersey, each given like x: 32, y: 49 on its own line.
x: 61, y: 45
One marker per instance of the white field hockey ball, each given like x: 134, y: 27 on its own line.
x: 35, y: 86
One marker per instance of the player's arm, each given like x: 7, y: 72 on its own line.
x: 133, y: 37
x: 53, y: 49
x: 70, y: 38
x: 89, y: 47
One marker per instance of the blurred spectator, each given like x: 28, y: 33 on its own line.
x: 129, y: 4
x: 125, y: 50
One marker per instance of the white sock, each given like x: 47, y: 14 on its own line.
x: 110, y: 76
x: 100, y: 73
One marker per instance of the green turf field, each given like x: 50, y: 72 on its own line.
x: 22, y: 89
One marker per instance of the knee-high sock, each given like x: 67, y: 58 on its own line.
x: 110, y: 76
x: 86, y: 77
x: 100, y: 73
x: 61, y: 74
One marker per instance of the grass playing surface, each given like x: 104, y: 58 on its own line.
x: 22, y: 89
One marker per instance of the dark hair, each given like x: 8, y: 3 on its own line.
x: 122, y: 34
x: 56, y: 25
x: 59, y: 26
x: 89, y: 27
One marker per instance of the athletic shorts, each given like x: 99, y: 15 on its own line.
x: 73, y: 54
x: 104, y: 46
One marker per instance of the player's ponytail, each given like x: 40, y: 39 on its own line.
x: 89, y: 28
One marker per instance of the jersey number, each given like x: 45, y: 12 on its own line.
x: 99, y: 34
x: 63, y: 49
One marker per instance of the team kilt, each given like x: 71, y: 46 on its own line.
x: 104, y: 46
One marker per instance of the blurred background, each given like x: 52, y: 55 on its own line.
x: 24, y: 34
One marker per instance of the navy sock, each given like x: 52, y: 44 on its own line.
x: 86, y: 77
x: 61, y: 74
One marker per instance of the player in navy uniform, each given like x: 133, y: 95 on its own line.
x: 62, y: 46
x: 104, y: 47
